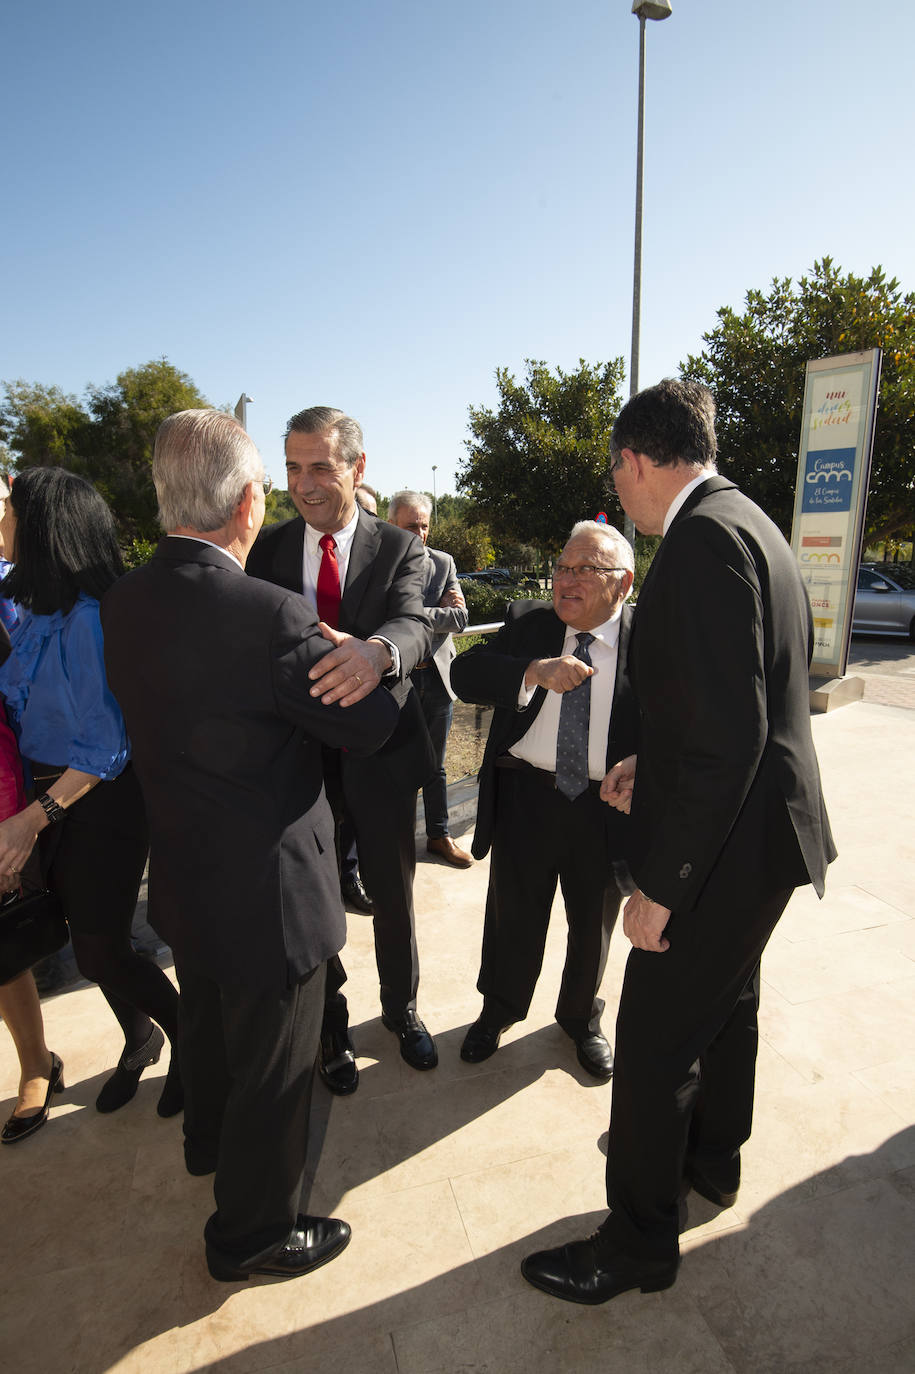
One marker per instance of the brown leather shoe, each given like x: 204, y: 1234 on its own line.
x: 445, y: 848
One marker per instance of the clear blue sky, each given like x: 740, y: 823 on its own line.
x: 375, y: 203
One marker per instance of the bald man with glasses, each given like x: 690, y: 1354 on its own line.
x: 564, y: 715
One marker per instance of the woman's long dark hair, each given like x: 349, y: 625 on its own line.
x: 66, y: 542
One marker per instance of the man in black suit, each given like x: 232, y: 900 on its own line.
x: 365, y: 579
x: 212, y: 672
x: 727, y: 819
x: 541, y: 827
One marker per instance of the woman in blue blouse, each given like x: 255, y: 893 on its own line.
x: 88, y: 815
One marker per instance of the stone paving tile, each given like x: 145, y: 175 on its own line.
x: 450, y: 1177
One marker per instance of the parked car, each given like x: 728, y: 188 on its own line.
x: 885, y: 600
x: 499, y: 577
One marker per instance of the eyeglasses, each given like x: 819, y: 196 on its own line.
x: 588, y: 571
x: 616, y: 462
x: 266, y: 483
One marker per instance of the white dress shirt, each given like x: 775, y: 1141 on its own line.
x: 312, y: 554
x: 538, y: 746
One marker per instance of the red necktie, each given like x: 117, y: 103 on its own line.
x: 328, y: 589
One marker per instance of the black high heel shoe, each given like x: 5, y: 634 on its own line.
x: 18, y: 1127
x: 123, y: 1083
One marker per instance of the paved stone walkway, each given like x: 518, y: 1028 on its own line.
x: 449, y: 1178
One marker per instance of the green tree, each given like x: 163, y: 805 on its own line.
x: 540, y: 461
x: 279, y: 506
x: 108, y: 439
x: 470, y: 545
x: 755, y: 364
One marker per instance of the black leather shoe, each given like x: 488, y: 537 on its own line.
x: 123, y: 1083
x: 481, y: 1041
x: 21, y: 1127
x: 595, y: 1056
x: 337, y: 1065
x: 416, y: 1044
x: 716, y: 1182
x: 313, y: 1242
x: 587, y: 1271
x: 355, y: 896
x: 198, y: 1162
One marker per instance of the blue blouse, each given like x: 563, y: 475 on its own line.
x: 9, y: 611
x: 57, y: 695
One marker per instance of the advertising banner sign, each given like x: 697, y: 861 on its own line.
x: 833, y: 472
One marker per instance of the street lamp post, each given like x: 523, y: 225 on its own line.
x: 645, y: 9
x: 241, y: 409
x: 434, y: 495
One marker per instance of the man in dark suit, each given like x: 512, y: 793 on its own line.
x: 365, y: 579
x: 447, y: 610
x: 211, y: 671
x: 727, y: 819
x: 541, y: 824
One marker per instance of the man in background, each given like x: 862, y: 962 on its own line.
x: 444, y: 601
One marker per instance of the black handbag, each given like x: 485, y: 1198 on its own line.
x: 31, y: 927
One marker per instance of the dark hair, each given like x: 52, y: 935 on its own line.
x: 66, y: 542
x: 347, y: 432
x: 673, y: 422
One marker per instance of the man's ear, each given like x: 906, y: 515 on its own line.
x: 628, y: 579
x: 245, y: 508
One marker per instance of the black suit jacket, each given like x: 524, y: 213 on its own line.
x: 719, y: 659
x: 491, y: 675
x: 210, y: 669
x: 382, y: 595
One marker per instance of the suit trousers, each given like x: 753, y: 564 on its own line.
x: 438, y: 709
x: 539, y: 838
x: 247, y: 1063
x: 383, y: 817
x: 685, y: 1067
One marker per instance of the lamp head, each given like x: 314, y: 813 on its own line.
x: 651, y: 9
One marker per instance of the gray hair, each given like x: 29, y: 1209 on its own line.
x: 347, y: 432
x: 618, y: 545
x: 367, y: 498
x: 416, y: 499
x: 202, y: 462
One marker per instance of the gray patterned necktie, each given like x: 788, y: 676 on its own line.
x: 572, y: 737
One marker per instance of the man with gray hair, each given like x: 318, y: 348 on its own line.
x: 444, y: 601
x: 364, y: 577
x: 564, y: 715
x: 211, y: 669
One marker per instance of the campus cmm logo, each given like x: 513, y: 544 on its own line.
x: 828, y: 480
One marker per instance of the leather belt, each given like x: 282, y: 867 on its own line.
x: 541, y: 775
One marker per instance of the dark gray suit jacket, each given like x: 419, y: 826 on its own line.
x: 382, y: 596
x: 210, y: 668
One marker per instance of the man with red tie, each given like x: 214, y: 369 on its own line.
x: 365, y: 579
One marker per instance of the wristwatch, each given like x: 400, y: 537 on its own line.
x: 52, y: 809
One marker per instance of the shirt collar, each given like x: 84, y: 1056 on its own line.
x: 342, y: 538
x: 608, y: 633
x: 218, y: 547
x: 674, y: 508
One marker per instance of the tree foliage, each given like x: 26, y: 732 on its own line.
x: 540, y: 461
x: 107, y: 439
x: 469, y: 544
x: 755, y: 365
